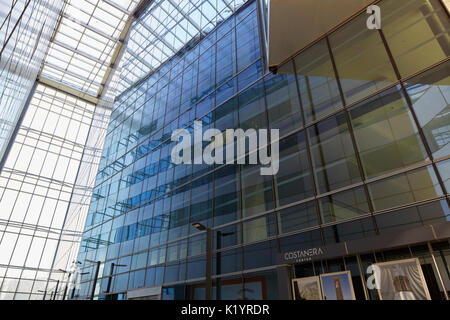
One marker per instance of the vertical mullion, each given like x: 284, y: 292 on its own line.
x: 308, y: 152
x: 414, y: 115
x: 352, y: 136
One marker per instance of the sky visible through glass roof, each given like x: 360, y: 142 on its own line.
x: 83, y: 45
x: 165, y: 28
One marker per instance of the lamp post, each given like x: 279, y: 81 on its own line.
x: 56, y: 290
x: 74, y: 287
x: 45, y: 293
x: 67, y: 284
x: 76, y: 274
x: 209, y: 256
x: 108, y: 287
x: 97, y: 269
x: 219, y: 234
x: 209, y: 245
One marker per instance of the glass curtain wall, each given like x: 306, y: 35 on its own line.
x: 36, y: 185
x: 359, y: 148
x: 25, y: 31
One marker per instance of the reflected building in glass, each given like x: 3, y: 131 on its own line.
x: 364, y: 124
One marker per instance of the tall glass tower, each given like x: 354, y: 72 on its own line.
x: 364, y: 157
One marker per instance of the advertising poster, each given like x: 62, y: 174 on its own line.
x: 337, y: 286
x: 401, y: 280
x: 307, y: 288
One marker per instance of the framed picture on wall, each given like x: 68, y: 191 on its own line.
x: 401, y: 280
x: 306, y: 289
x: 337, y: 286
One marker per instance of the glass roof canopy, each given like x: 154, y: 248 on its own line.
x: 83, y: 46
x: 165, y: 28
x: 88, y: 33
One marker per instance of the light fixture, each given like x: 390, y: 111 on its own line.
x: 199, y: 226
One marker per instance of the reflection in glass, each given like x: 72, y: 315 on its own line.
x: 333, y: 156
x: 252, y: 108
x: 344, y: 205
x: 430, y: 96
x: 257, y: 193
x: 282, y: 101
x: 444, y: 170
x: 410, y: 187
x: 386, y: 134
x: 226, y: 195
x: 317, y: 82
x: 417, y: 32
x: 293, y: 181
x: 298, y: 218
x: 258, y: 229
x: 361, y: 59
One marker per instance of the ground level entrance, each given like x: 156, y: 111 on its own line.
x: 419, y: 272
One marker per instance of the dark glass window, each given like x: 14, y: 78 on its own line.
x: 206, y: 72
x: 298, y: 217
x: 176, y: 250
x: 247, y: 41
x: 226, y: 195
x: 444, y: 171
x: 179, y: 216
x: 197, y: 245
x: 344, y: 205
x: 156, y: 256
x: 257, y: 193
x: 361, y: 59
x: 201, y: 202
x: 249, y: 75
x: 173, y: 272
x: 173, y: 293
x: 226, y: 116
x: 252, y: 108
x: 398, y: 220
x: 386, y: 134
x: 121, y: 283
x: 261, y: 285
x: 333, y: 155
x: 136, y: 279
x: 173, y: 99
x: 317, y: 82
x: 189, y: 92
x: 293, y: 181
x: 225, y: 92
x: 259, y: 229
x: 226, y: 58
x: 159, y: 273
x: 229, y: 236
x: 229, y: 261
x: 430, y: 96
x: 417, y: 33
x: 260, y: 255
x: 358, y: 229
x: 435, y: 212
x: 196, y: 268
x: 426, y: 214
x: 410, y: 187
x: 305, y: 240
x: 282, y: 100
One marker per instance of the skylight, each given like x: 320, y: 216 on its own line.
x: 165, y: 28
x: 84, y: 42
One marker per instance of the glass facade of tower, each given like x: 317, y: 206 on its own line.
x: 364, y: 152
